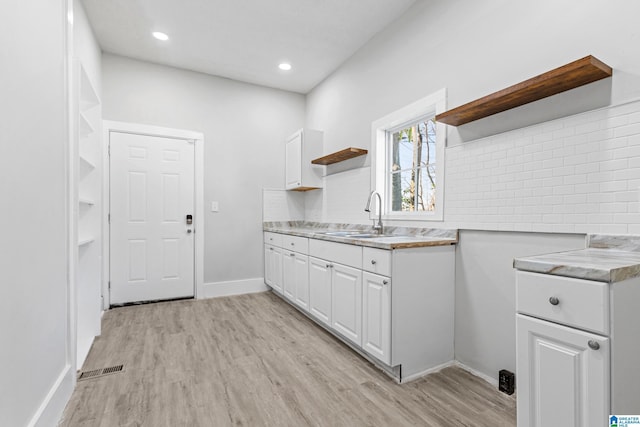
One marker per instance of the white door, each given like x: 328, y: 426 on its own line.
x: 151, y: 196
x: 301, y: 283
x: 320, y: 290
x: 562, y: 374
x: 346, y: 302
x: 293, y: 162
x: 376, y: 326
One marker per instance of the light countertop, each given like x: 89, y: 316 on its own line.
x: 608, y: 258
x: 393, y: 238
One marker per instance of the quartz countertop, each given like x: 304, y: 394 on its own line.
x: 393, y: 238
x: 608, y: 258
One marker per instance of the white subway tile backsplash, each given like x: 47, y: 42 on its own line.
x: 576, y: 174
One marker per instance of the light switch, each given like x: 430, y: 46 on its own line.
x: 214, y: 207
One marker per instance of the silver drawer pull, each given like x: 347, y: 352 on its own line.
x: 594, y: 345
x: 292, y: 254
x: 373, y: 261
x: 554, y: 301
x: 293, y: 244
x: 385, y: 282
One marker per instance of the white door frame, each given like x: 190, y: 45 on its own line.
x: 198, y: 220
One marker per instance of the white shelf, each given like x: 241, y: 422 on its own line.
x: 88, y: 96
x: 86, y: 162
x: 84, y: 127
x: 83, y: 241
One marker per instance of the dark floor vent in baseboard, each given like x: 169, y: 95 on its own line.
x: 95, y: 373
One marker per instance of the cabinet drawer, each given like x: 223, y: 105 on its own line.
x: 579, y: 303
x: 338, y: 252
x: 376, y: 261
x: 274, y: 239
x: 295, y: 243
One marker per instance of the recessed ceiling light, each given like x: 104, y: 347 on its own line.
x: 160, y: 36
x: 285, y: 66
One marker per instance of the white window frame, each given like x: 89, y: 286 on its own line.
x: 430, y: 105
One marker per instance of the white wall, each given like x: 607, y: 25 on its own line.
x: 244, y: 128
x: 485, y: 327
x: 546, y: 167
x: 36, y: 379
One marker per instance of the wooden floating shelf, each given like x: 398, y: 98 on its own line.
x: 575, y: 74
x: 339, y: 156
x: 305, y: 188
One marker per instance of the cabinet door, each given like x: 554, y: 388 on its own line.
x: 288, y: 274
x: 268, y: 265
x: 293, y: 162
x: 320, y: 290
x: 562, y: 374
x: 276, y: 269
x: 346, y: 302
x: 376, y: 324
x: 301, y: 281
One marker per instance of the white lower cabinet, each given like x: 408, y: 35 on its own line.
x: 346, y: 302
x: 577, y: 345
x: 320, y: 290
x: 295, y: 278
x: 376, y: 315
x: 348, y: 289
x: 563, y: 375
x: 288, y: 274
x: 301, y: 280
x: 273, y: 267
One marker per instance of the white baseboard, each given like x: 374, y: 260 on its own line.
x: 427, y: 372
x: 487, y: 378
x: 50, y: 411
x: 233, y: 287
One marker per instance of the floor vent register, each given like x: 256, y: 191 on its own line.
x: 96, y: 373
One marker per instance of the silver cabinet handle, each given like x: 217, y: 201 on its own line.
x: 189, y: 230
x: 594, y: 345
x: 385, y: 282
x: 373, y: 261
x: 327, y: 266
x: 292, y: 254
x: 554, y: 301
x: 293, y: 244
x: 270, y: 249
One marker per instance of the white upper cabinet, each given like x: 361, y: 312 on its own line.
x: 302, y: 147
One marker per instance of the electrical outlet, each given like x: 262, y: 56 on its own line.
x: 506, y: 381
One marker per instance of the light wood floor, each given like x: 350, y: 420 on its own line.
x: 252, y: 360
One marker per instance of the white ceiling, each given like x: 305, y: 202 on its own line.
x: 244, y: 39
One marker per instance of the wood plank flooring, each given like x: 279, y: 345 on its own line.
x: 252, y: 360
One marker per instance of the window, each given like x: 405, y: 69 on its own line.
x: 409, y: 159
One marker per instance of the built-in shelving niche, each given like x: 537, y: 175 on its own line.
x: 88, y: 213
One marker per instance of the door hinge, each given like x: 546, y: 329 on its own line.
x: 109, y: 284
x: 109, y: 150
x: 109, y: 218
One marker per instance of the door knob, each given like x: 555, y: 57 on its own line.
x: 189, y: 230
x: 554, y: 301
x: 594, y: 345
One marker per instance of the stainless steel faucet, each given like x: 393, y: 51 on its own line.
x: 378, y: 227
